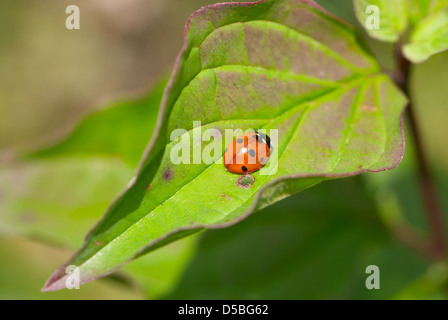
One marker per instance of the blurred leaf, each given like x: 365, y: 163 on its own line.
x: 402, y: 186
x: 428, y: 85
x: 335, y: 114
x: 393, y: 18
x: 421, y: 8
x: 158, y: 273
x: 341, y: 8
x: 25, y: 264
x: 428, y: 38
x: 58, y: 200
x: 314, y: 245
x: 56, y: 195
x: 433, y: 285
x: 120, y: 130
x: 46, y: 195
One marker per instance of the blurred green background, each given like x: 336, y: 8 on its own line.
x: 77, y: 109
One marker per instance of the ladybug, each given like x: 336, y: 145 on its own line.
x: 247, y: 153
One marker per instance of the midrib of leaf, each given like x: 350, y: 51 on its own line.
x: 223, y: 215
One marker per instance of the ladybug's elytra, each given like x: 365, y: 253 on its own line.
x: 247, y: 153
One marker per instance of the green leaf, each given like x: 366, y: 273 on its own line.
x: 120, y: 130
x: 419, y: 9
x: 286, y: 252
x: 285, y: 65
x: 25, y: 263
x: 428, y: 38
x: 430, y: 286
x: 393, y: 18
x: 45, y: 197
x: 49, y: 199
x: 157, y: 274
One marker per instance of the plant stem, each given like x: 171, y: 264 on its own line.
x: 434, y: 213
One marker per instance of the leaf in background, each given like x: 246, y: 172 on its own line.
x: 419, y: 9
x: 56, y: 195
x: 49, y: 199
x: 393, y: 22
x: 428, y: 84
x: 45, y: 195
x: 121, y: 130
x: 285, y: 65
x: 428, y: 38
x: 430, y: 286
x: 25, y: 263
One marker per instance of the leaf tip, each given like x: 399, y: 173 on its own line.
x: 55, y: 282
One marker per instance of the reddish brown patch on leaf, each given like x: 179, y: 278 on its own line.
x: 148, y: 187
x: 28, y: 217
x: 167, y: 175
x: 367, y: 107
x: 224, y: 196
x: 246, y: 181
x: 98, y: 243
x: 217, y: 133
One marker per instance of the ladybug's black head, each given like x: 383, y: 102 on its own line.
x: 264, y: 137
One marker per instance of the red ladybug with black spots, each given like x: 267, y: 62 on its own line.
x: 247, y: 153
